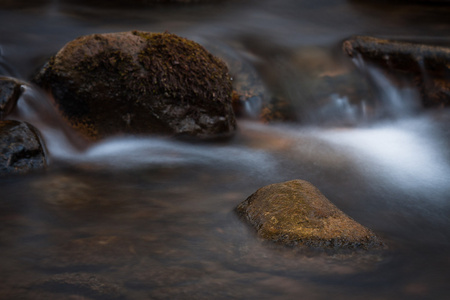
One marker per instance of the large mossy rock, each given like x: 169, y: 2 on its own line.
x: 425, y: 66
x: 21, y: 150
x: 297, y: 213
x: 140, y: 83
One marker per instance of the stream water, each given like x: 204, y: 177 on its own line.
x: 152, y: 218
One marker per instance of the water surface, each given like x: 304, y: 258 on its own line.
x: 152, y: 218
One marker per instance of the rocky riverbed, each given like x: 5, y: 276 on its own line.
x: 98, y: 202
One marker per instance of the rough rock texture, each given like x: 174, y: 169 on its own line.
x: 425, y: 66
x: 296, y: 213
x: 140, y: 82
x: 9, y: 93
x: 20, y: 148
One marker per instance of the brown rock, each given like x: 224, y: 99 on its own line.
x: 140, y: 83
x: 296, y: 213
x: 20, y: 148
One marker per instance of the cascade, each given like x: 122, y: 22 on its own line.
x: 34, y: 107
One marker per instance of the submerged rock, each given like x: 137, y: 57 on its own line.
x: 140, y: 83
x: 424, y: 66
x: 9, y: 93
x: 20, y: 148
x: 296, y: 213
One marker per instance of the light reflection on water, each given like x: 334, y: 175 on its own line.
x: 404, y: 154
x: 144, y: 152
x: 153, y: 218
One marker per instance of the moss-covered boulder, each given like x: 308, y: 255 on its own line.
x: 21, y: 150
x: 297, y: 213
x: 140, y: 83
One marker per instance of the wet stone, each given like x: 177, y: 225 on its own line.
x: 140, y: 83
x: 9, y: 93
x: 295, y: 213
x: 20, y: 148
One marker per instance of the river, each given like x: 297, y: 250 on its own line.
x: 152, y: 218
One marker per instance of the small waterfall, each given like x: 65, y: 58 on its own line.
x: 332, y: 95
x: 34, y: 107
x: 392, y: 100
x: 339, y: 110
x: 383, y: 99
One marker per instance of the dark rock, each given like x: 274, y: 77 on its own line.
x: 296, y: 213
x: 424, y: 66
x: 21, y: 148
x: 9, y: 93
x: 140, y: 83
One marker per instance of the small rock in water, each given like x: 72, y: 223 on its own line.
x: 20, y: 148
x: 297, y: 213
x: 140, y: 83
x: 9, y: 93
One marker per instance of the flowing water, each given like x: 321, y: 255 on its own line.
x: 152, y: 218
